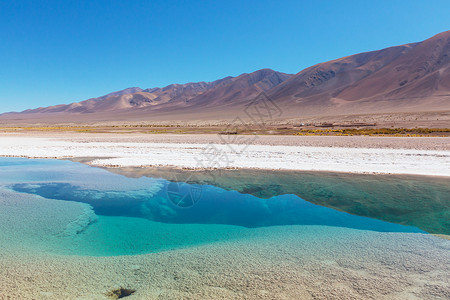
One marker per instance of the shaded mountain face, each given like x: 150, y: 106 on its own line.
x: 412, y: 77
x: 397, y: 78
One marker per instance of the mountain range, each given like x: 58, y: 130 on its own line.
x: 408, y: 78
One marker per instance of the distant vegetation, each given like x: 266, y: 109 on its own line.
x: 378, y: 131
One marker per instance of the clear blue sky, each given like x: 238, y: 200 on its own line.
x: 59, y: 51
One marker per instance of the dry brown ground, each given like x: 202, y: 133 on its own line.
x: 205, y: 122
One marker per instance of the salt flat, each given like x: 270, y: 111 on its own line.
x: 244, y: 152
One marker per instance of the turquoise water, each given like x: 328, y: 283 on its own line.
x: 139, y: 215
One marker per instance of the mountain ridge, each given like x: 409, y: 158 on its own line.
x: 172, y: 95
x: 410, y: 77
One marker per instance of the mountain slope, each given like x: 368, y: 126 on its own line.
x: 401, y: 78
x: 408, y: 78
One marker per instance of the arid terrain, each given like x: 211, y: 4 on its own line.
x: 401, y: 86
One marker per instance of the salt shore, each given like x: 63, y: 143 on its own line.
x: 245, y: 153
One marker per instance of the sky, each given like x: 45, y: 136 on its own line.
x: 61, y: 51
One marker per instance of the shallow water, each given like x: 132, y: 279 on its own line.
x: 124, y: 215
x: 418, y: 201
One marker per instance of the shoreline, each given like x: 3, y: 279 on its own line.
x: 95, y: 162
x: 170, y: 168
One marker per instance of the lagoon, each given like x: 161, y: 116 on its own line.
x: 119, y: 215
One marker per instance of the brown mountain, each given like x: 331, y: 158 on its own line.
x: 408, y: 78
x: 412, y: 77
x: 241, y: 88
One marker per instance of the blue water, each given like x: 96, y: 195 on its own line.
x: 139, y: 215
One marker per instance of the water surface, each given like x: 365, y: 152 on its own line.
x: 125, y: 215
